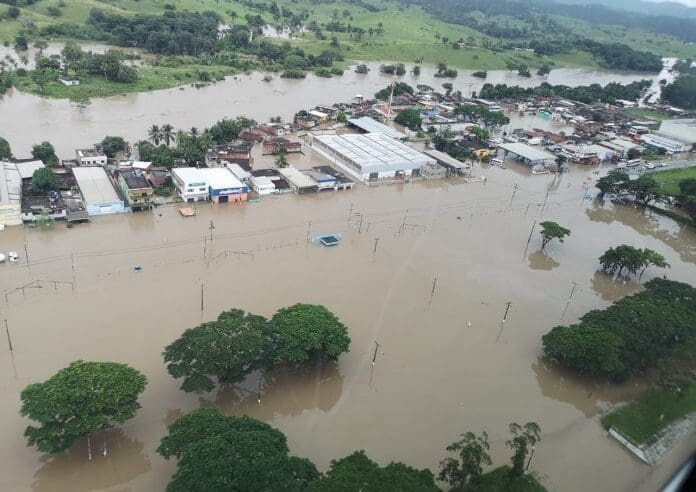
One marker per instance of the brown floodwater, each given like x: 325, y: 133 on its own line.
x: 446, y: 364
x: 26, y: 119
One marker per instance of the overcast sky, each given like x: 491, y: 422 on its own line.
x: 690, y: 3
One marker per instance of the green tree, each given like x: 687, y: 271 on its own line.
x: 523, y: 437
x: 306, y: 331
x: 687, y: 186
x: 645, y: 189
x: 652, y: 258
x: 416, y: 70
x: 79, y: 399
x: 155, y: 134
x: 168, y: 133
x: 587, y: 349
x: 550, y: 231
x: 281, y: 159
x: 21, y: 43
x: 410, y: 118
x: 341, y: 117
x: 229, y: 349
x: 112, y: 145
x: 472, y: 455
x: 46, y: 153
x: 357, y: 472
x: 44, y: 76
x: 5, y: 150
x: 614, y: 182
x: 72, y: 54
x: 216, y: 452
x: 448, y: 88
x: 43, y: 180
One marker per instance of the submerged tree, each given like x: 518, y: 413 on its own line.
x: 45, y: 153
x: 472, y: 455
x: 550, y: 231
x: 79, y: 399
x: 524, y: 437
x: 281, y: 159
x: 614, y: 260
x: 228, y: 349
x: 216, y: 452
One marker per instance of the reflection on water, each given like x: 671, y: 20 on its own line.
x: 540, y: 260
x: 590, y: 397
x: 610, y: 288
x: 74, y: 472
x: 282, y: 391
x: 681, y: 238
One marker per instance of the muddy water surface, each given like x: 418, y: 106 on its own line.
x: 435, y: 376
x: 26, y: 119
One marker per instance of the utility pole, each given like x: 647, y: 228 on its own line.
x: 309, y: 227
x: 211, y: 227
x: 9, y: 340
x: 350, y: 211
x: 529, y: 462
x: 201, y: 296
x: 403, y: 222
x: 543, y: 207
x: 374, y: 250
x: 432, y: 292
x: 360, y: 226
x: 529, y: 239
x: 575, y: 284
x: 374, y: 356
x: 26, y: 252
x: 513, y: 193
x: 507, y: 308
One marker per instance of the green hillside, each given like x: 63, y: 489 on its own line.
x: 407, y: 33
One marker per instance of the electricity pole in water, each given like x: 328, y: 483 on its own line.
x: 507, y: 308
x: 374, y: 356
x: 201, y: 296
x: 513, y: 193
x: 9, y: 340
x: 211, y: 227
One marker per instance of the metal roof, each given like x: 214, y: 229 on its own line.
x: 221, y: 178
x: 528, y: 152
x: 681, y: 129
x: 95, y: 185
x: 297, y: 178
x: 446, y: 159
x: 374, y: 152
x: 26, y: 169
x: 10, y: 183
x: 373, y: 126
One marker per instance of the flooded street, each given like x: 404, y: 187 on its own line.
x: 26, y: 119
x: 435, y: 376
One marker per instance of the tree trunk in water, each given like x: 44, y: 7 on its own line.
x: 89, y: 446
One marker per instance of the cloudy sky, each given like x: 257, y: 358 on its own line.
x: 690, y: 3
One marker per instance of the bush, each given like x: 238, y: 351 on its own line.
x: 293, y: 74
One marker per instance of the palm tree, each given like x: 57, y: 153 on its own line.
x: 193, y: 132
x: 168, y: 133
x: 155, y: 134
x: 233, y: 15
x: 281, y: 161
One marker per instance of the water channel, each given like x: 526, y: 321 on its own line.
x: 435, y: 377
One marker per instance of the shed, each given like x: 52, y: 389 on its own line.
x: 299, y: 182
x: 97, y: 191
x: 528, y: 154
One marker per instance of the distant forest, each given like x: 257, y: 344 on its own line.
x: 534, y: 13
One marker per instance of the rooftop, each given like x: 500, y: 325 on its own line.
x: 238, y: 171
x: 190, y: 175
x: 446, y: 159
x: 135, y: 179
x: 221, y: 178
x: 89, y: 152
x: 527, y: 152
x: 26, y: 169
x: 10, y: 183
x: 373, y: 126
x: 374, y: 152
x: 95, y: 185
x: 680, y: 129
x: 296, y: 177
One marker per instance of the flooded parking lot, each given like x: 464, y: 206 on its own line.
x: 435, y: 375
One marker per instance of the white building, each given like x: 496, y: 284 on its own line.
x: 223, y: 186
x: 263, y: 185
x: 98, y: 193
x: 90, y: 157
x: 190, y: 183
x: 371, y: 156
x: 10, y: 194
x: 662, y: 142
x: 683, y: 130
x: 239, y: 172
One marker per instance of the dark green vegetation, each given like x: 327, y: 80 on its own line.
x: 586, y: 94
x: 550, y: 231
x: 682, y: 92
x: 237, y: 344
x: 464, y: 472
x: 410, y: 118
x: 5, y: 150
x: 654, y: 329
x: 216, y: 452
x: 676, y: 183
x: 46, y: 153
x: 641, y: 420
x: 112, y: 145
x: 79, y: 399
x: 43, y: 180
x: 615, y: 260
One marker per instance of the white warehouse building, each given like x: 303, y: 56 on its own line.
x: 372, y: 156
x: 97, y: 191
x: 190, y: 183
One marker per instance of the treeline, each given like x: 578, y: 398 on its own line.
x: 655, y: 328
x: 681, y: 92
x: 586, y: 94
x: 538, y: 12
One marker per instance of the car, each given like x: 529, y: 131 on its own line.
x: 650, y: 165
x: 13, y: 256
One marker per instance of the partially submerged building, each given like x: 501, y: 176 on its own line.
x: 223, y: 186
x: 90, y: 157
x: 453, y: 166
x: 370, y: 125
x: 372, y: 156
x: 10, y: 194
x: 529, y: 155
x: 299, y: 181
x: 136, y: 189
x: 98, y: 193
x: 190, y: 183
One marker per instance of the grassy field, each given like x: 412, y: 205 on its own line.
x: 151, y: 78
x: 409, y: 33
x: 669, y: 179
x: 499, y: 480
x: 651, y: 114
x: 647, y: 416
